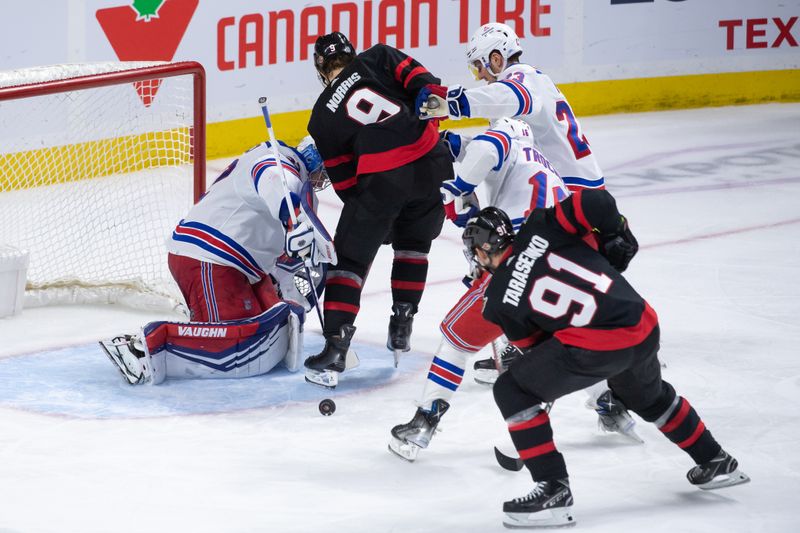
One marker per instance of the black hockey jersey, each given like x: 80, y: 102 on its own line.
x: 553, y: 283
x: 366, y: 121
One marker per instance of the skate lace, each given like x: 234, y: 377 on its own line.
x: 537, y: 491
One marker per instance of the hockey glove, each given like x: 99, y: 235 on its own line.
x: 620, y: 246
x: 437, y: 101
x: 453, y: 142
x: 300, y: 240
x: 459, y: 205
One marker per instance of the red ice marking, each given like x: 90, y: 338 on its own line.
x: 702, y: 188
x: 720, y: 234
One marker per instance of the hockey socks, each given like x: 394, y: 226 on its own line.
x: 342, y: 299
x: 682, y: 425
x: 409, y: 272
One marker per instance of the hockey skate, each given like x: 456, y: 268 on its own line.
x: 324, y: 368
x: 549, y: 504
x: 408, y: 439
x: 613, y: 417
x: 721, y: 471
x: 127, y: 354
x: 400, y: 323
x: 488, y: 370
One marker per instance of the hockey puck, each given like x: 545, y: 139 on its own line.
x: 327, y: 407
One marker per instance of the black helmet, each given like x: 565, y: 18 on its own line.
x: 490, y: 230
x: 329, y: 47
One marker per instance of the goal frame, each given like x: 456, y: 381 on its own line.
x: 134, y: 294
x: 133, y: 75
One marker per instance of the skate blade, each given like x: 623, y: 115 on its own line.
x: 404, y: 450
x: 113, y: 354
x: 628, y: 432
x: 631, y: 435
x: 351, y: 360
x: 324, y: 378
x: 728, y: 480
x: 396, y: 354
x: 549, y: 518
x: 485, y: 377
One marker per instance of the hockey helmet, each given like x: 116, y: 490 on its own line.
x: 328, y: 48
x: 312, y: 160
x: 490, y: 230
x: 516, y: 129
x: 488, y: 38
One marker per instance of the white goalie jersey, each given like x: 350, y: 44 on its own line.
x: 527, y: 94
x: 238, y: 221
x: 517, y: 177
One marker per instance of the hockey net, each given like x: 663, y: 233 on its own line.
x: 98, y: 162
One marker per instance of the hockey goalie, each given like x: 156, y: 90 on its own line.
x: 240, y: 263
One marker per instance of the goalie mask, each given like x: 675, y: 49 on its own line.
x: 312, y: 160
x: 490, y: 230
x: 332, y: 51
x: 487, y: 39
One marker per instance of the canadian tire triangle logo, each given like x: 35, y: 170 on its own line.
x: 147, y: 30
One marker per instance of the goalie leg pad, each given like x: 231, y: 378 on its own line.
x: 236, y: 348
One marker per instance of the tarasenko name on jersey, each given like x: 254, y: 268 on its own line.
x: 341, y: 91
x: 522, y: 269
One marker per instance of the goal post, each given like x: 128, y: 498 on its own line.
x: 98, y: 163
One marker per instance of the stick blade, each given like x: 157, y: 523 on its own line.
x: 514, y: 464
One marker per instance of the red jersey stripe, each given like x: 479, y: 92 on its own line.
x: 338, y: 160
x: 345, y: 184
x: 398, y: 72
x: 576, y: 203
x: 413, y: 74
x: 397, y: 157
x: 562, y: 219
x: 610, y: 339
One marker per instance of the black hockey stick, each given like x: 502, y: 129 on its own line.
x: 514, y: 464
x: 276, y: 152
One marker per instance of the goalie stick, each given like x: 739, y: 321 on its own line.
x: 286, y: 194
x: 514, y: 464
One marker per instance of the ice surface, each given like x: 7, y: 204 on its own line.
x: 712, y: 196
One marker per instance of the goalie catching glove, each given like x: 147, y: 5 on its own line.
x: 438, y: 101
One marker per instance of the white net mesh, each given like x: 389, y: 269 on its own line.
x: 93, y: 180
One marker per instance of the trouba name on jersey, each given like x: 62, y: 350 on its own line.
x: 341, y: 91
x: 189, y: 331
x: 522, y: 269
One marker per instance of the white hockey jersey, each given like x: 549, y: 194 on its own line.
x: 237, y: 222
x: 518, y: 177
x: 527, y: 94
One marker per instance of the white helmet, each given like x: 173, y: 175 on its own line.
x: 488, y: 38
x: 516, y: 129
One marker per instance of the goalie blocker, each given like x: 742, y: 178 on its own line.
x: 228, y: 349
